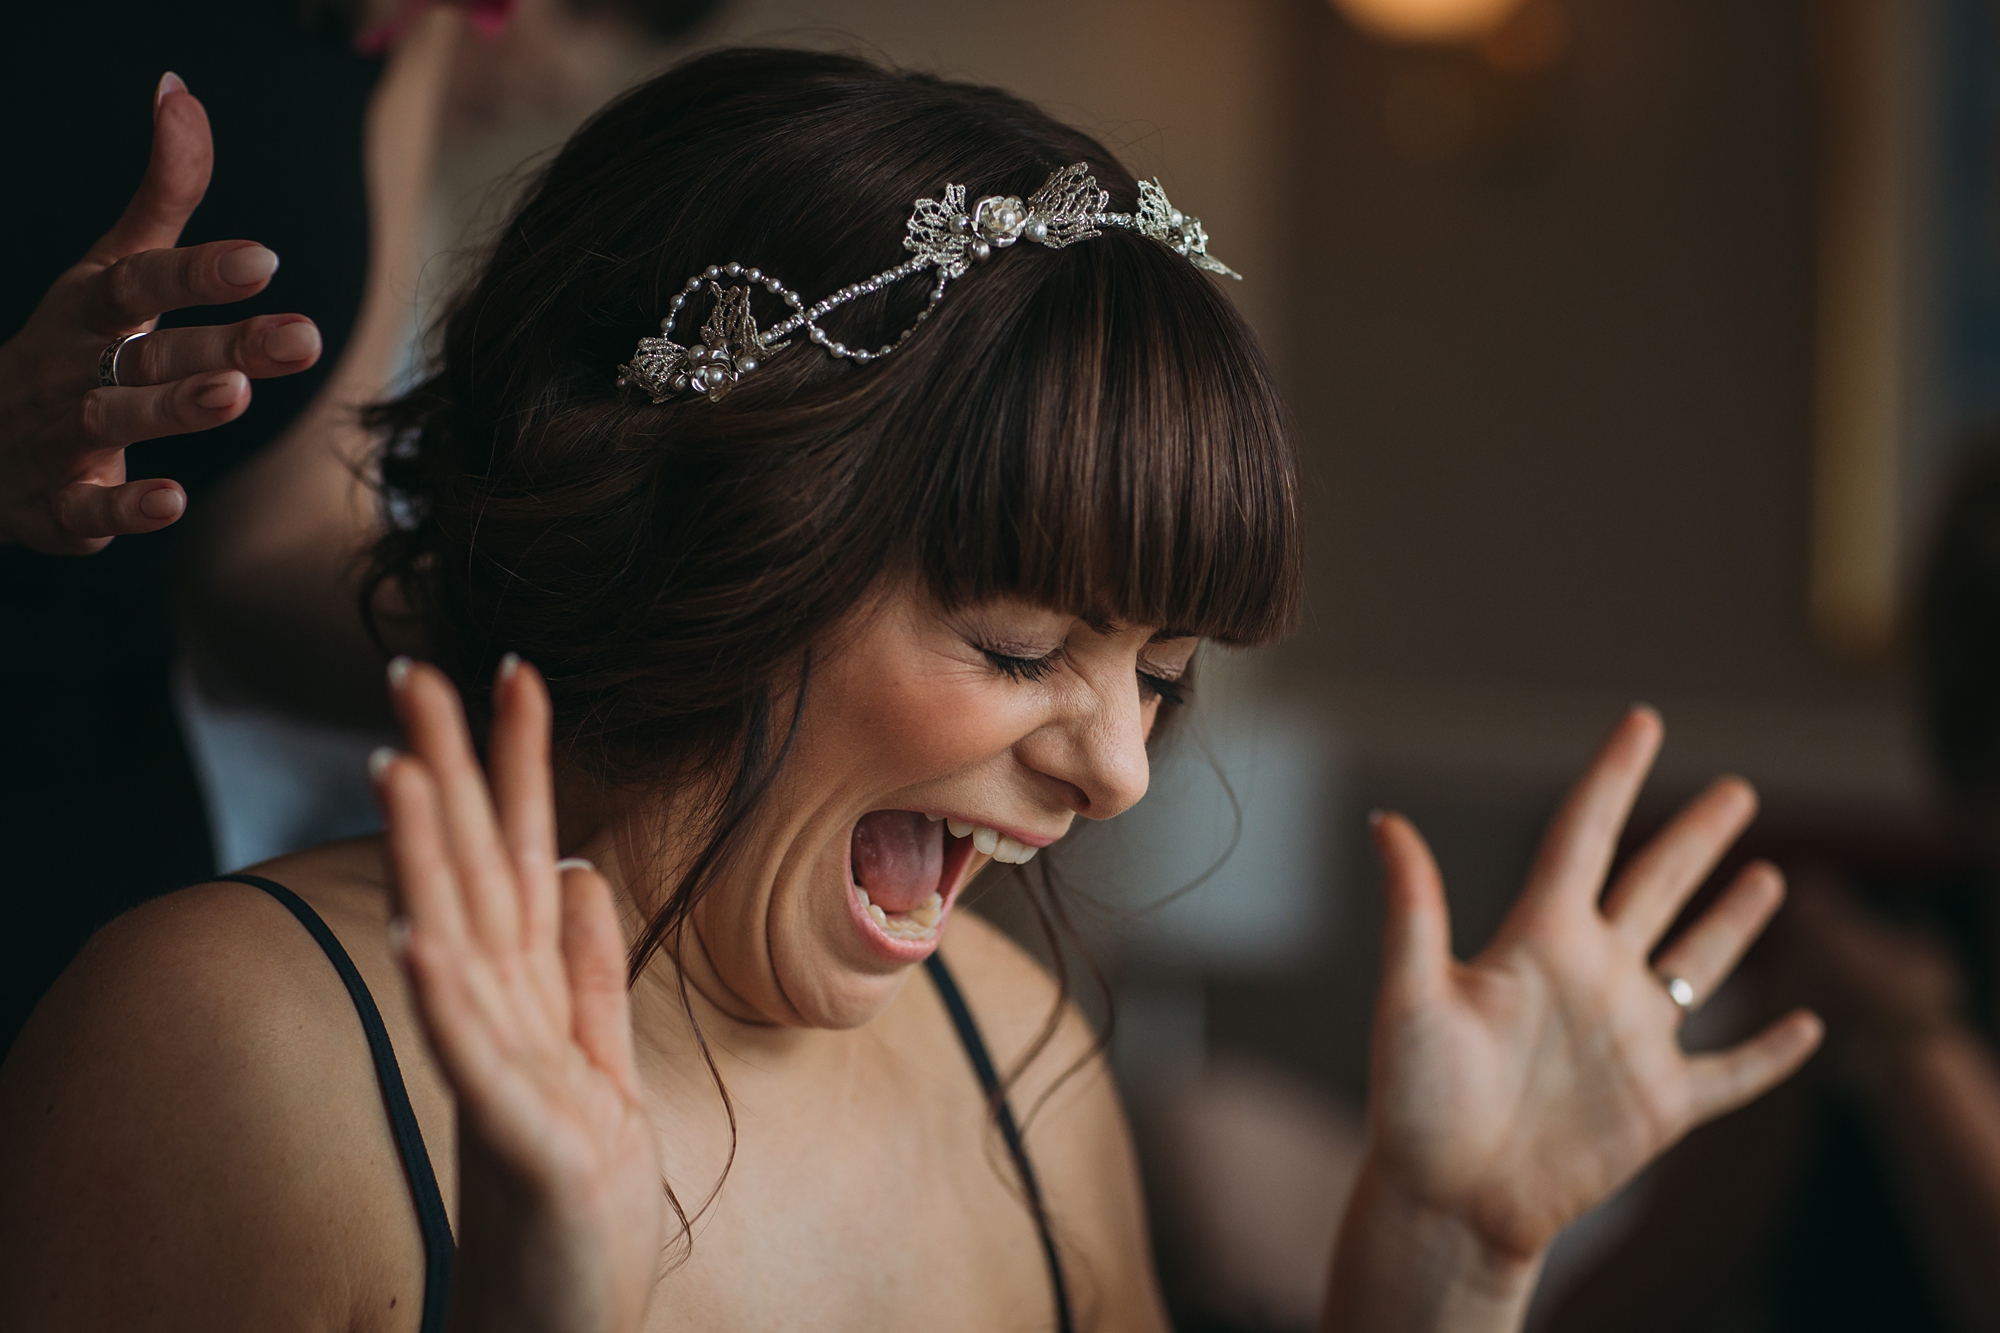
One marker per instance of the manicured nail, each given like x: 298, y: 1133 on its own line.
x: 223, y: 390
x: 170, y: 82
x: 399, y: 673
x: 296, y: 341
x: 573, y: 863
x: 399, y: 935
x: 163, y: 503
x: 508, y: 666
x: 247, y: 264
x: 379, y: 760
x: 1375, y: 817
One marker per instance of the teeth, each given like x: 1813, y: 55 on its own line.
x: 877, y: 915
x: 985, y: 839
x: 866, y: 901
x: 934, y: 818
x: 959, y: 828
x: 1010, y: 852
x: 992, y: 842
x: 927, y: 913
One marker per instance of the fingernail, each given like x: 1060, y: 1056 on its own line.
x: 163, y: 503
x: 1376, y: 816
x: 379, y: 760
x: 508, y: 666
x: 399, y: 673
x: 222, y: 391
x: 399, y: 935
x: 170, y: 82
x: 247, y: 264
x: 573, y: 863
x: 296, y: 341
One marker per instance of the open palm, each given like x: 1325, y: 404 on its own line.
x: 518, y: 964
x: 1518, y: 1090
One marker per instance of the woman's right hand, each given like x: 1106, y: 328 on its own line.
x: 63, y: 434
x: 518, y: 964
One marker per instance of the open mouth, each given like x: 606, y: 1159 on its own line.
x: 905, y: 868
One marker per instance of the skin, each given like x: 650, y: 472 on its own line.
x: 225, y: 1127
x: 62, y: 436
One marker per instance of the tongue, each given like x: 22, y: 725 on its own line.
x: 898, y: 857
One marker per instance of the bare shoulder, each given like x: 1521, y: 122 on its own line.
x: 1072, y: 1120
x: 189, y: 1129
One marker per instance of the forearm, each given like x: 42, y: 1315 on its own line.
x: 1936, y: 1099
x: 1400, y: 1268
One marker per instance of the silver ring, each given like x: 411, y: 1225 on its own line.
x: 1680, y: 990
x: 107, y: 360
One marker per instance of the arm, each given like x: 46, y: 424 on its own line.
x: 191, y: 1138
x: 274, y: 578
x: 1511, y: 1093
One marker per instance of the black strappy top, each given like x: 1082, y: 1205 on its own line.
x: 438, y: 1244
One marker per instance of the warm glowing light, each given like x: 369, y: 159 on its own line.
x: 1428, y: 20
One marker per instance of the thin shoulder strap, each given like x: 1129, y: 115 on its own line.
x: 438, y: 1245
x: 989, y: 1081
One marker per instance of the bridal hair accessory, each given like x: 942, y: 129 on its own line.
x: 943, y: 234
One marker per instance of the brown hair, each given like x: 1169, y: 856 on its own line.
x: 1092, y: 428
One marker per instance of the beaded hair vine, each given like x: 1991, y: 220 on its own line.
x: 942, y: 234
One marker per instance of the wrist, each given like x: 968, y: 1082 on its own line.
x: 1402, y: 1264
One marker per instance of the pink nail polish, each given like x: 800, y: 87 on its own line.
x: 399, y: 673
x: 247, y: 265
x: 379, y: 760
x: 170, y: 82
x: 508, y: 666
x: 163, y: 503
x: 222, y: 391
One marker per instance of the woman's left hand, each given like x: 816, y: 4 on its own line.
x: 1512, y: 1093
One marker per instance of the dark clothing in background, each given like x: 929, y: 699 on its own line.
x: 99, y: 806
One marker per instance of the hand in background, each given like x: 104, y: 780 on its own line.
x: 519, y: 973
x: 63, y: 434
x: 1512, y: 1093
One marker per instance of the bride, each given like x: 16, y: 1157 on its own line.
x: 883, y: 560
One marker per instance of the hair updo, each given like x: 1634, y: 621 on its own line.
x: 1092, y: 428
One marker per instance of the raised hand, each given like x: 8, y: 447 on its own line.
x: 63, y: 431
x: 518, y: 963
x: 1512, y: 1093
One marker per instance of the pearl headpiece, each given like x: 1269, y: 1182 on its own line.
x: 942, y: 234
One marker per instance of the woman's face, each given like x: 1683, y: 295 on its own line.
x: 931, y: 742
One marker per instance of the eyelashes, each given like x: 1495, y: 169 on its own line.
x: 1168, y: 691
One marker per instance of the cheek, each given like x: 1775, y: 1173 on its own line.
x: 912, y: 724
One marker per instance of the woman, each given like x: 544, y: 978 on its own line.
x: 823, y: 630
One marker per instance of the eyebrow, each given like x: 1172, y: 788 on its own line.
x: 1109, y: 625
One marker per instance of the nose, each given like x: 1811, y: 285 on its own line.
x: 1095, y: 750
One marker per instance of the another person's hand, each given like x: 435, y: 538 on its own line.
x: 1512, y: 1093
x: 63, y: 429
x: 518, y: 964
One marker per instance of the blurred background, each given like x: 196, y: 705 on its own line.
x: 1635, y: 347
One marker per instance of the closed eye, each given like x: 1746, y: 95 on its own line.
x: 1023, y: 668
x: 1171, y: 692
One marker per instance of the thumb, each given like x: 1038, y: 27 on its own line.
x: 176, y: 177
x: 1416, y: 926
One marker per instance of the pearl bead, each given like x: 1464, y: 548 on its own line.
x: 745, y: 364
x: 755, y: 275
x: 980, y: 251
x: 712, y: 271
x: 1038, y: 231
x: 733, y: 269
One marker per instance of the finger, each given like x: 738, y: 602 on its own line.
x: 524, y: 794
x: 90, y: 511
x: 1722, y: 1082
x: 1658, y: 883
x: 1576, y: 853
x: 105, y: 420
x: 1416, y: 927
x: 434, y: 720
x: 262, y: 348
x: 594, y: 956
x: 1708, y: 951
x: 142, y: 286
x: 176, y: 176
x: 424, y: 884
